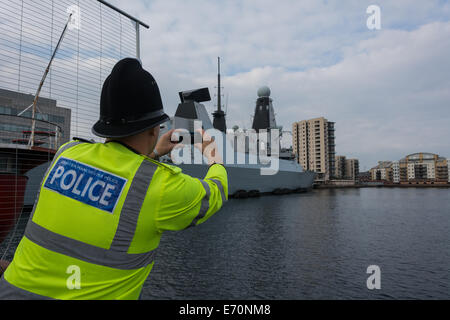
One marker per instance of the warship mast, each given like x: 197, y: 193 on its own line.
x: 219, y: 116
x: 264, y: 119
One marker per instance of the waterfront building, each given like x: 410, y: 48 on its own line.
x: 364, y: 176
x: 396, y: 172
x: 346, y: 169
x: 352, y: 169
x: 424, y: 167
x: 340, y: 167
x: 448, y: 169
x: 314, y: 145
x: 382, y: 172
x: 415, y: 168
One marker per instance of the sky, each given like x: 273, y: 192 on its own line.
x: 388, y: 90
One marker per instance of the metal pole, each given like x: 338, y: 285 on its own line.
x: 138, y: 41
x: 36, y: 97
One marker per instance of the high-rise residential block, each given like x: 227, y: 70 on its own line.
x: 340, y: 167
x: 314, y: 145
x: 351, y: 169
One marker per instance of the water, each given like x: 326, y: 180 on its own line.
x: 312, y: 246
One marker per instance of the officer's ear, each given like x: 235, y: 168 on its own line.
x: 154, y: 132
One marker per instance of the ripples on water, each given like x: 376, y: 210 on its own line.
x: 311, y: 246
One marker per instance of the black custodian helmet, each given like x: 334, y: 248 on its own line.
x: 130, y: 102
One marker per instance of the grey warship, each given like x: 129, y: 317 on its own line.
x: 247, y: 178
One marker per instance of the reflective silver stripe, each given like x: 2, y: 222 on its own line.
x: 86, y: 252
x: 60, y: 151
x: 204, y: 207
x: 11, y: 292
x: 132, y: 207
x: 117, y: 256
x: 222, y: 191
x: 66, y: 147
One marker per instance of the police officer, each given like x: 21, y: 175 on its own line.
x: 103, y: 207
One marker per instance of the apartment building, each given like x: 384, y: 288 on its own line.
x: 340, y: 167
x: 396, y: 172
x: 314, y: 144
x: 448, y: 169
x: 415, y: 168
x: 382, y: 172
x: 346, y: 169
x: 352, y: 169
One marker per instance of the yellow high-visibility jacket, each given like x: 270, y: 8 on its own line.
x: 98, y: 220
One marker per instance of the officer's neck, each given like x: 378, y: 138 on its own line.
x: 143, y: 143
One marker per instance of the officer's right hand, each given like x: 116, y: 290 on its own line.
x: 208, y: 148
x: 165, y: 144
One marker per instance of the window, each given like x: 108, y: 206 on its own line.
x: 7, y: 110
x: 27, y: 114
x: 3, y: 164
x: 55, y: 119
x: 41, y: 116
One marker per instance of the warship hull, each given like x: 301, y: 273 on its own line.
x: 247, y: 179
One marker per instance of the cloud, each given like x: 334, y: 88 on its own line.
x: 389, y: 95
x: 387, y: 90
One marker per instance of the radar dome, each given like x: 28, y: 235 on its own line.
x: 264, y: 92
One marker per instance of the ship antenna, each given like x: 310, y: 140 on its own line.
x: 219, y: 89
x: 226, y: 104
x: 219, y: 115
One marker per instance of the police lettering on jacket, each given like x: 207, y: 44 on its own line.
x: 86, y: 184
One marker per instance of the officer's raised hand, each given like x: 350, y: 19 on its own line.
x: 208, y: 148
x: 165, y: 145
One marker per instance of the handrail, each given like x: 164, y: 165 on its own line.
x: 124, y: 13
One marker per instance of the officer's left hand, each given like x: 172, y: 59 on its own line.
x: 165, y: 144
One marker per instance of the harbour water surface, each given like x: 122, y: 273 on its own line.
x: 310, y: 246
